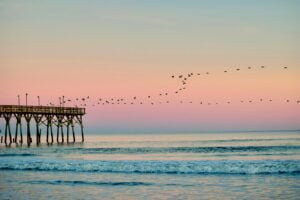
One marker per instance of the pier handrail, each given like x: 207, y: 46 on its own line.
x: 41, y: 110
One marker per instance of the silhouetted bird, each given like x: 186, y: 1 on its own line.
x: 249, y: 67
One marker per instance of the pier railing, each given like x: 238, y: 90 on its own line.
x: 42, y: 110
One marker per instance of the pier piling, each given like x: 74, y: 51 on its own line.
x: 7, y: 117
x: 18, y: 127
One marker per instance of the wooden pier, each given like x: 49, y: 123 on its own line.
x: 42, y: 115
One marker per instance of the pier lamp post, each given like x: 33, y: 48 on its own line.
x: 38, y: 97
x: 18, y: 99
x: 63, y: 101
x: 26, y: 98
x: 59, y: 101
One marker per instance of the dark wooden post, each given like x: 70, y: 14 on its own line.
x: 38, y: 119
x: 28, y: 118
x: 70, y: 122
x: 60, y: 128
x: 68, y: 126
x: 19, y: 127
x: 73, y: 131
x: 79, y: 117
x: 7, y: 117
x: 49, y: 126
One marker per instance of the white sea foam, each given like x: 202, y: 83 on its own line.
x: 168, y: 167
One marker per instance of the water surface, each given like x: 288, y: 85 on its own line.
x: 156, y: 166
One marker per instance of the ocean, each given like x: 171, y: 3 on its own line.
x: 254, y: 165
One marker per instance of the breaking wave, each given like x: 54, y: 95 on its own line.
x: 98, y: 183
x: 156, y: 167
x: 217, y: 149
x: 17, y: 154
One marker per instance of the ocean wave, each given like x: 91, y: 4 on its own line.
x: 17, y: 154
x: 253, y: 140
x: 156, y: 167
x: 217, y: 149
x: 98, y: 183
x: 101, y: 183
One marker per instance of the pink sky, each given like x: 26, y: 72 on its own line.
x: 132, y: 50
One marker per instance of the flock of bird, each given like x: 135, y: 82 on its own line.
x: 160, y: 98
x: 184, y: 78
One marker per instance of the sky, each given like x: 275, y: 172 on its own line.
x: 127, y: 48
